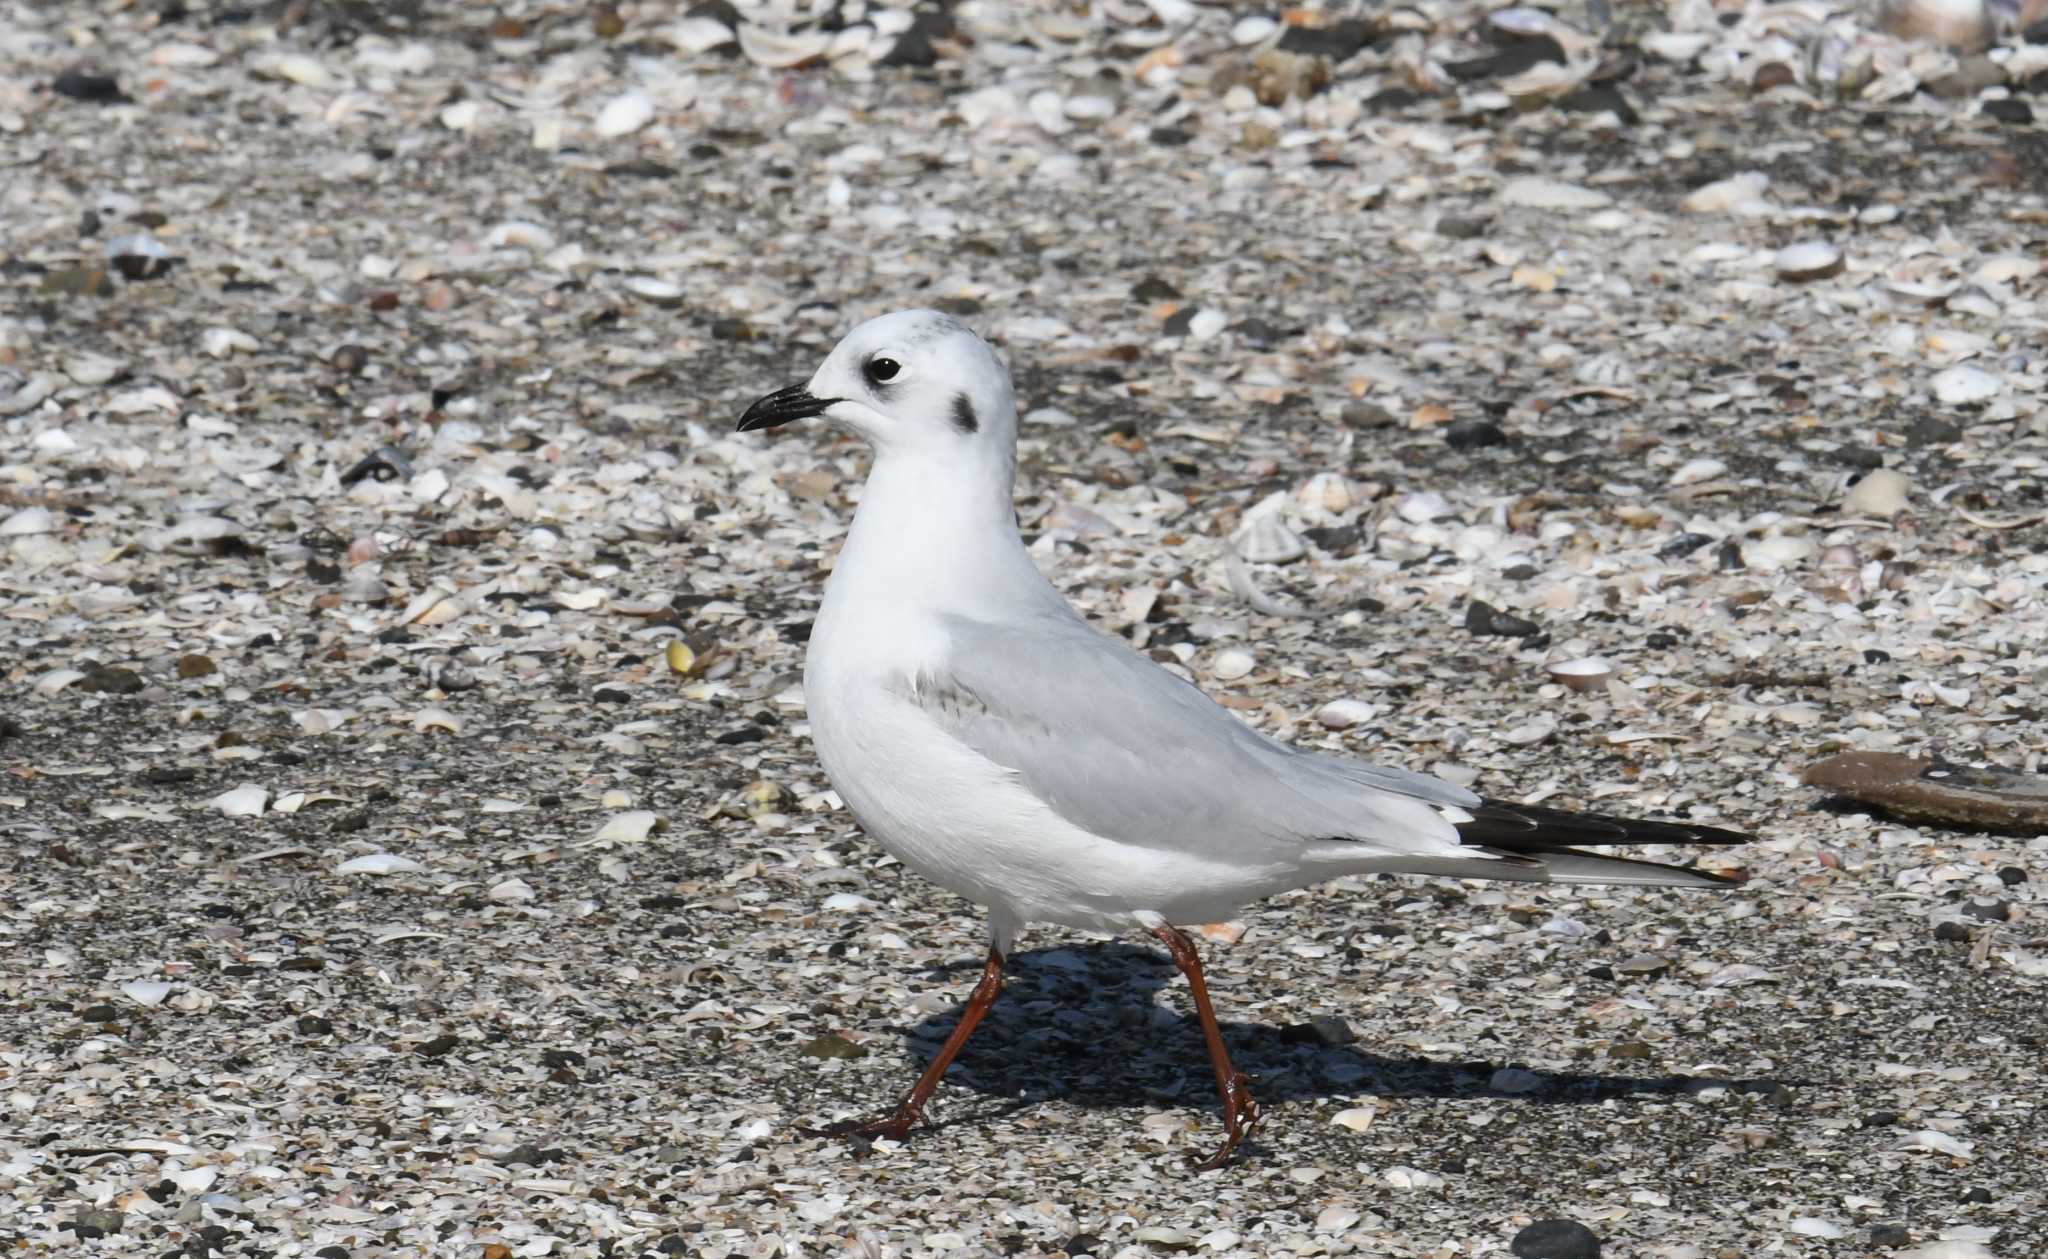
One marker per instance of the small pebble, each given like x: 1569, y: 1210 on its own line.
x: 1555, y: 1239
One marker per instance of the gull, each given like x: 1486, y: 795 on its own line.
x: 993, y: 741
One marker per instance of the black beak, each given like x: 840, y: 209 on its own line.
x: 782, y: 406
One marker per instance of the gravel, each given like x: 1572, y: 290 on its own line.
x: 414, y: 845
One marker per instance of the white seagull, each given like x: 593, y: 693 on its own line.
x: 993, y: 741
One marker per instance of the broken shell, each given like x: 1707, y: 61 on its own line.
x: 1587, y: 673
x: 378, y: 863
x: 1266, y: 539
x: 1326, y: 491
x: 1964, y: 386
x: 435, y: 719
x: 623, y: 115
x: 779, y: 50
x: 629, y: 827
x: 246, y: 800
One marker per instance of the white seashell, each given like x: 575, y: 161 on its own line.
x: 221, y: 342
x: 699, y: 34
x: 435, y: 719
x: 660, y: 292
x: 246, y: 800
x: 92, y: 369
x: 1549, y: 194
x: 1881, y: 492
x: 1336, y: 1219
x: 513, y: 889
x: 630, y: 827
x: 1675, y: 46
x: 847, y: 902
x: 1414, y: 1178
x: 293, y: 801
x: 1737, y: 194
x: 321, y: 720
x: 518, y: 235
x: 1251, y: 29
x: 1206, y: 323
x: 182, y: 56
x: 196, y: 1179
x: 365, y: 586
x: 303, y: 70
x: 625, y: 114
x: 1532, y: 732
x: 780, y: 50
x: 1342, y: 714
x: 1325, y: 491
x: 1231, y: 664
x: 1587, y: 673
x: 146, y: 992
x: 1089, y: 108
x: 1780, y: 551
x: 1807, y: 260
x: 27, y: 521
x: 1049, y: 111
x: 379, y: 863
x: 1266, y: 539
x: 428, y: 486
x: 1693, y: 471
x: 461, y: 116
x: 1965, y: 386
x: 497, y: 804
x: 1357, y: 1118
x: 1423, y: 507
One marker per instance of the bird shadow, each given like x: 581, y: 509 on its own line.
x: 1085, y: 1026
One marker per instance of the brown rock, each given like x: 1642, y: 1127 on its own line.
x: 1930, y: 791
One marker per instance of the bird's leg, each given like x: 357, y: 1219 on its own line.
x: 1240, y: 1112
x: 897, y: 1123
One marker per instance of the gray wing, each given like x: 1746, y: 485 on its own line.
x: 1123, y: 749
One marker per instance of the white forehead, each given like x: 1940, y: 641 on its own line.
x: 907, y: 330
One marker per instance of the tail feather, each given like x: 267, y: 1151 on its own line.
x: 1546, y: 839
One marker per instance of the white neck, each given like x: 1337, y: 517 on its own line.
x: 937, y: 536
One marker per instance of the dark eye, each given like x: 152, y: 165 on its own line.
x: 883, y: 370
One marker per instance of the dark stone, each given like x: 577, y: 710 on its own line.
x: 1682, y: 545
x: 1325, y: 1029
x: 640, y: 168
x: 610, y: 695
x: 331, y: 1252
x: 2010, y: 110
x: 1872, y: 655
x: 914, y: 46
x: 745, y: 734
x: 1600, y: 972
x: 1979, y: 1195
x: 1517, y: 58
x: 1474, y: 434
x: 1729, y: 557
x: 1660, y: 640
x: 440, y: 1046
x: 314, y: 1025
x: 1931, y: 430
x: 168, y: 775
x: 2011, y: 876
x: 1153, y: 289
x: 1337, y: 41
x: 1081, y: 1244
x: 1556, y: 1239
x: 1601, y: 99
x: 1178, y: 322
x: 303, y: 963
x: 1988, y: 911
x: 1880, y: 1119
x: 1859, y: 457
x: 723, y: 12
x: 1463, y: 226
x: 552, y: 1058
x: 1889, y: 1235
x: 1952, y: 932
x: 1335, y: 539
x: 99, y: 1012
x: 110, y: 680
x: 1368, y: 415
x: 1483, y: 618
x: 1170, y: 137
x: 96, y: 89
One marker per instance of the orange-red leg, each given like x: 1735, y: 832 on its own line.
x: 1234, y: 1087
x: 896, y: 1125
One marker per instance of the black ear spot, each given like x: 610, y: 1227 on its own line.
x: 964, y: 418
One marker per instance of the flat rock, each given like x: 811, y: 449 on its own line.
x: 1923, y: 790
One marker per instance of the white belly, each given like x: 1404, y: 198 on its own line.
x: 966, y: 824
